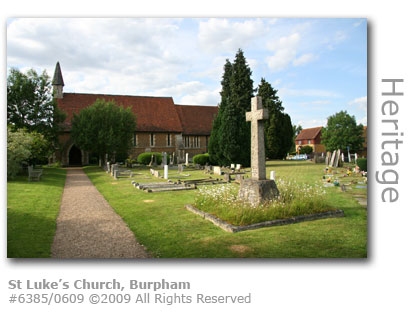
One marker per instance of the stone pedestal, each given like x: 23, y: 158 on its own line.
x: 257, y: 191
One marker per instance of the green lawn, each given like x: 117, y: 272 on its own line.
x: 160, y: 222
x: 32, y: 209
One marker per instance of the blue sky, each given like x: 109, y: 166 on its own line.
x: 319, y: 66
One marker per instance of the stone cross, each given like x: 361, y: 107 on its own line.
x: 258, y: 158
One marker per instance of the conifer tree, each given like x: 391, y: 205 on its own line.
x: 278, y: 129
x: 215, y: 152
x: 234, y: 131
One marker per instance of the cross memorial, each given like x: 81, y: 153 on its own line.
x: 255, y: 116
x: 258, y: 189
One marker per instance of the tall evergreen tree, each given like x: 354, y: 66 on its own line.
x: 278, y: 128
x: 230, y: 138
x: 234, y: 130
x: 214, y: 142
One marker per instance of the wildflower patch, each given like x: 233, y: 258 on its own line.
x: 295, y: 199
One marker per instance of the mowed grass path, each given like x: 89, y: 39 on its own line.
x: 32, y: 210
x: 160, y: 222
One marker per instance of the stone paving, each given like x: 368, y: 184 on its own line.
x: 88, y: 227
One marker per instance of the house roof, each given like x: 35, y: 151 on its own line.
x: 153, y: 114
x: 196, y: 120
x: 310, y: 133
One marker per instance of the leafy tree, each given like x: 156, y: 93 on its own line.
x: 277, y: 128
x: 104, y: 128
x: 342, y: 132
x: 296, y: 132
x: 30, y: 104
x: 23, y: 148
x: 231, y: 136
x: 305, y: 150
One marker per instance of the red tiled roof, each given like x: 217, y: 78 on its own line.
x: 310, y: 133
x: 197, y: 120
x: 153, y: 114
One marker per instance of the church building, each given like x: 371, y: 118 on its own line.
x: 162, y: 125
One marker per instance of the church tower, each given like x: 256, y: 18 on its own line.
x: 58, y: 82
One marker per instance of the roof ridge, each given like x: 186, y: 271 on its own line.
x: 116, y: 95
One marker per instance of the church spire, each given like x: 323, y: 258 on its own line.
x: 58, y: 82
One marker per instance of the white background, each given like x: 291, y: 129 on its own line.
x: 281, y: 289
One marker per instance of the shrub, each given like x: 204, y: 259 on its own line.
x: 305, y: 150
x: 201, y: 159
x: 145, y: 158
x: 19, y: 145
x: 362, y: 164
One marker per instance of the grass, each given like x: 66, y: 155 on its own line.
x: 160, y: 222
x: 295, y: 199
x: 32, y: 209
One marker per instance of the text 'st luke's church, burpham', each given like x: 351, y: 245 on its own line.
x: 162, y: 125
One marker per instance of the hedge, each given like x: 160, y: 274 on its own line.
x: 362, y: 164
x: 145, y: 158
x: 201, y: 159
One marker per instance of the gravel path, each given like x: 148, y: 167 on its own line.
x: 87, y: 226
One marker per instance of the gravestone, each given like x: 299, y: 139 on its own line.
x: 151, y: 163
x: 356, y: 157
x: 180, y: 168
x: 187, y: 159
x: 257, y: 189
x: 238, y: 167
x: 164, y: 159
x: 108, y: 167
x: 272, y: 175
x: 227, y: 177
x: 332, y: 159
x: 232, y: 166
x: 165, y: 173
x: 217, y: 170
x: 342, y: 157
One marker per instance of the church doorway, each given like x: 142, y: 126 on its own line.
x: 75, y: 156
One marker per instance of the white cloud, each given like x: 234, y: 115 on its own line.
x: 122, y: 56
x: 312, y: 123
x: 285, y: 52
x: 360, y: 103
x: 304, y: 59
x: 223, y: 35
x: 202, y: 97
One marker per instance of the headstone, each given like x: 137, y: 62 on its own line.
x: 356, y: 157
x: 164, y: 159
x: 156, y: 173
x: 332, y: 159
x: 272, y: 175
x: 349, y: 157
x: 217, y: 170
x: 108, y: 167
x: 165, y: 173
x: 227, y: 177
x: 180, y: 168
x: 151, y: 163
x: 232, y: 166
x: 257, y: 190
x: 238, y: 167
x: 187, y: 159
x: 342, y: 157
x: 327, y: 158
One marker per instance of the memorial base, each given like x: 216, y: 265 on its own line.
x: 257, y: 192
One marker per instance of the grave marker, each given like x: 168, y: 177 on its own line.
x: 257, y: 189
